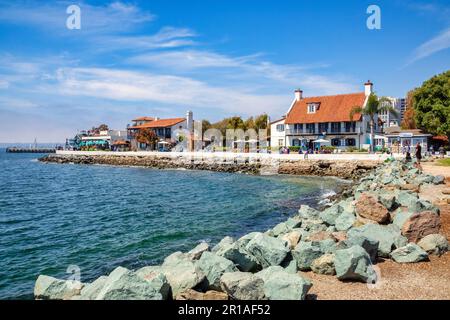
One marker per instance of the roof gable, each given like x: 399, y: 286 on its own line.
x: 331, y: 108
x: 161, y: 123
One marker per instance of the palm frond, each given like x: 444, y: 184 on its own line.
x: 355, y: 110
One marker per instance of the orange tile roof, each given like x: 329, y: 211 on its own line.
x: 161, y: 123
x: 144, y: 119
x: 331, y: 109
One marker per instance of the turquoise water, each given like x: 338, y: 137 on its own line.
x: 99, y: 217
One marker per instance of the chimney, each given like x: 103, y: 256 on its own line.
x: 298, y: 95
x: 190, y: 121
x: 368, y: 88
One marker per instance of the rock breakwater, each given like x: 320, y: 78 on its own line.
x: 346, y: 169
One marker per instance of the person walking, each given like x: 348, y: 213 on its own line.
x: 441, y: 151
x: 418, y: 155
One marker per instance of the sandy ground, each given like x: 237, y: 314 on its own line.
x: 425, y: 280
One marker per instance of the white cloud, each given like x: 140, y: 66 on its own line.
x: 430, y: 47
x: 115, y: 17
x: 16, y: 103
x: 135, y: 86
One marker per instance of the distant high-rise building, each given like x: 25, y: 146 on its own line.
x: 388, y: 118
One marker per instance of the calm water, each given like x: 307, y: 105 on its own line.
x: 98, y: 217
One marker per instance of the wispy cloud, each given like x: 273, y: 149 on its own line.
x: 114, y: 17
x: 432, y: 46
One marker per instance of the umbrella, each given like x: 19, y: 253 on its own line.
x: 321, y: 141
x: 163, y: 142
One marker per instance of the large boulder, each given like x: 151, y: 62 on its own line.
x: 400, y: 217
x: 306, y: 212
x: 368, y: 206
x: 368, y: 244
x: 222, y: 243
x: 328, y: 245
x: 91, y: 290
x: 324, y: 265
x: 281, y: 285
x: 123, y: 284
x: 214, y: 266
x: 409, y: 253
x: 420, y: 225
x: 268, y: 251
x: 242, y: 286
x: 197, y: 252
x: 439, y: 179
x: 354, y: 264
x: 49, y: 288
x: 345, y: 221
x: 407, y: 199
x: 434, y: 244
x: 292, y: 238
x: 238, y: 255
x: 385, y: 235
x: 330, y: 214
x: 182, y: 274
x: 305, y: 253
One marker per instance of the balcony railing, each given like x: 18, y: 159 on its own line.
x: 301, y: 132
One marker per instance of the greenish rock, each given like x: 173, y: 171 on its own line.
x: 409, y: 254
x: 387, y: 199
x: 281, y: 285
x: 244, y: 240
x: 400, y: 217
x: 242, y: 286
x: 400, y: 241
x: 293, y: 223
x: 290, y: 266
x: 222, y: 243
x: 345, y: 221
x: 91, y: 290
x: 324, y: 265
x: 268, y: 251
x: 123, y: 284
x: 368, y: 244
x: 49, y: 288
x: 439, y: 179
x: 407, y: 199
x: 182, y: 274
x: 197, y: 252
x: 306, y: 212
x: 328, y: 245
x: 243, y: 261
x: 330, y: 214
x: 279, y: 229
x: 305, y: 253
x: 434, y: 244
x: 313, y: 225
x: 424, y: 205
x: 354, y: 264
x: 214, y: 266
x: 331, y: 229
x: 424, y: 178
x: 385, y: 235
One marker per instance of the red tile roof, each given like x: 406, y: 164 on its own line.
x: 161, y: 123
x: 331, y: 109
x: 144, y: 119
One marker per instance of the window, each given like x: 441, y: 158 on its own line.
x: 310, y: 128
x: 350, y: 142
x: 336, y: 142
x: 312, y: 107
x: 280, y: 127
x: 298, y: 127
x: 350, y: 126
x: 280, y: 142
x: 335, y: 127
x: 296, y: 143
x: 323, y: 127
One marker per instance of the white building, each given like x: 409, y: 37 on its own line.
x: 388, y: 118
x: 327, y: 118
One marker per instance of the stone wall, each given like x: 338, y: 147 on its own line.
x: 347, y: 169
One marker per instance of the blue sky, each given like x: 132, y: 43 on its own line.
x: 218, y: 58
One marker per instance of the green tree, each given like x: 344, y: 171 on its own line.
x: 374, y: 106
x: 147, y: 136
x: 205, y: 125
x: 261, y: 121
x: 249, y: 124
x: 235, y: 122
x: 432, y: 105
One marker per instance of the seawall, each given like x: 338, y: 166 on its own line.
x: 343, y: 166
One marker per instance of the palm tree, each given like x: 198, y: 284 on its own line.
x: 374, y: 106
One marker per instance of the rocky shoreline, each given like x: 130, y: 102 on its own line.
x: 382, y: 217
x: 346, y: 169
